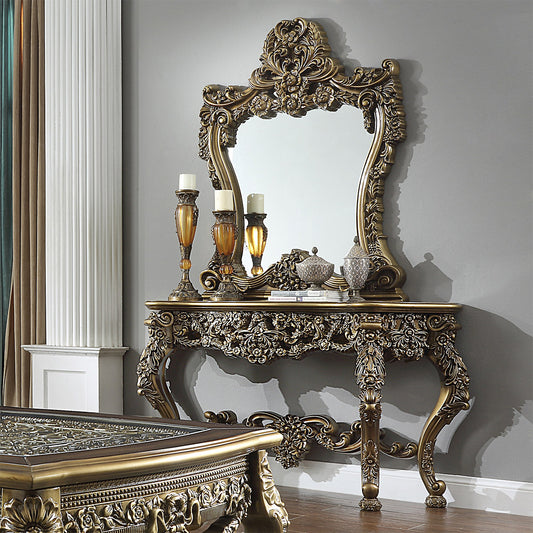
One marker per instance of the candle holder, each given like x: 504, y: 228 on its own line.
x: 256, y: 238
x: 186, y: 219
x: 224, y: 234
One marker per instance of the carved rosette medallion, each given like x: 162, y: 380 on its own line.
x: 32, y: 514
x: 298, y: 74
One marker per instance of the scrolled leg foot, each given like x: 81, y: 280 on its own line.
x: 370, y: 504
x: 438, y: 502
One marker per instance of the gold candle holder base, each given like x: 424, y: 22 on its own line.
x: 184, y: 292
x: 186, y: 220
x: 226, y: 292
x: 224, y: 234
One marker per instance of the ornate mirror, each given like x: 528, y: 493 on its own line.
x: 299, y: 80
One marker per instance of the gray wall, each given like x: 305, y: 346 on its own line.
x: 458, y: 204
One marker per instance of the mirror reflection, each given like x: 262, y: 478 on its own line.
x: 308, y: 169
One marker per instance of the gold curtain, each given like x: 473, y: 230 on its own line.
x: 26, y: 316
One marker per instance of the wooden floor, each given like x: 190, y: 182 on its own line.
x: 326, y: 512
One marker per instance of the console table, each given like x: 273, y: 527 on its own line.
x: 374, y: 332
x: 72, y: 472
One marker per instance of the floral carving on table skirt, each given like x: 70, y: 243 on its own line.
x: 175, y: 511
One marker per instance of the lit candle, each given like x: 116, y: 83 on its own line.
x: 224, y: 200
x: 256, y: 203
x: 187, y: 182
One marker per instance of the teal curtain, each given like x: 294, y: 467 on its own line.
x: 6, y: 165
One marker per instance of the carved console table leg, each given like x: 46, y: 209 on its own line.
x: 370, y: 374
x: 454, y: 397
x: 267, y: 513
x: 151, y: 379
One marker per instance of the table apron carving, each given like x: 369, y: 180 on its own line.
x: 406, y: 332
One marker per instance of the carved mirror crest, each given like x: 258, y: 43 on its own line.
x: 297, y: 75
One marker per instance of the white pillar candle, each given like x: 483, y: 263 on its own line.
x: 224, y: 200
x: 187, y: 182
x: 256, y: 203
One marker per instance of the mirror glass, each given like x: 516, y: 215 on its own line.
x: 308, y: 168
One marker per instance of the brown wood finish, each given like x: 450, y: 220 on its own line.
x: 326, y: 512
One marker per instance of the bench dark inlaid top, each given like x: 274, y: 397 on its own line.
x: 30, y: 435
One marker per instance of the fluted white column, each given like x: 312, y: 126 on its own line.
x: 83, y: 173
x: 83, y: 183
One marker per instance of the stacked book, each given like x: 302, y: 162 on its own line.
x: 309, y: 295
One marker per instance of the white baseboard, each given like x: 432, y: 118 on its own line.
x: 484, y: 494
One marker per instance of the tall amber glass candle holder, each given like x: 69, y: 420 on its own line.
x: 256, y: 238
x: 186, y: 220
x: 224, y: 234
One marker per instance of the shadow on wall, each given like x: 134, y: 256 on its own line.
x: 413, y: 94
x: 499, y: 384
x: 500, y: 379
x: 433, y: 285
x: 337, y: 42
x: 501, y: 387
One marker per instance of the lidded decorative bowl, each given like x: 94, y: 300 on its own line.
x: 314, y: 270
x: 355, y: 270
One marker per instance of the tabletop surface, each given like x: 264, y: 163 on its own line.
x: 43, y: 448
x: 29, y: 433
x: 306, y: 307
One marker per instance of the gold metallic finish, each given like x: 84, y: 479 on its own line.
x: 27, y: 436
x: 163, y: 512
x: 256, y: 238
x: 70, y: 470
x: 130, y: 489
x: 186, y: 216
x: 374, y: 332
x: 397, y: 449
x: 298, y: 432
x: 33, y: 512
x: 374, y: 307
x: 267, y: 513
x: 224, y: 417
x: 298, y: 74
x: 281, y: 275
x: 224, y: 234
x: 323, y: 429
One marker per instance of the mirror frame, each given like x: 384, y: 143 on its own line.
x: 298, y: 74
